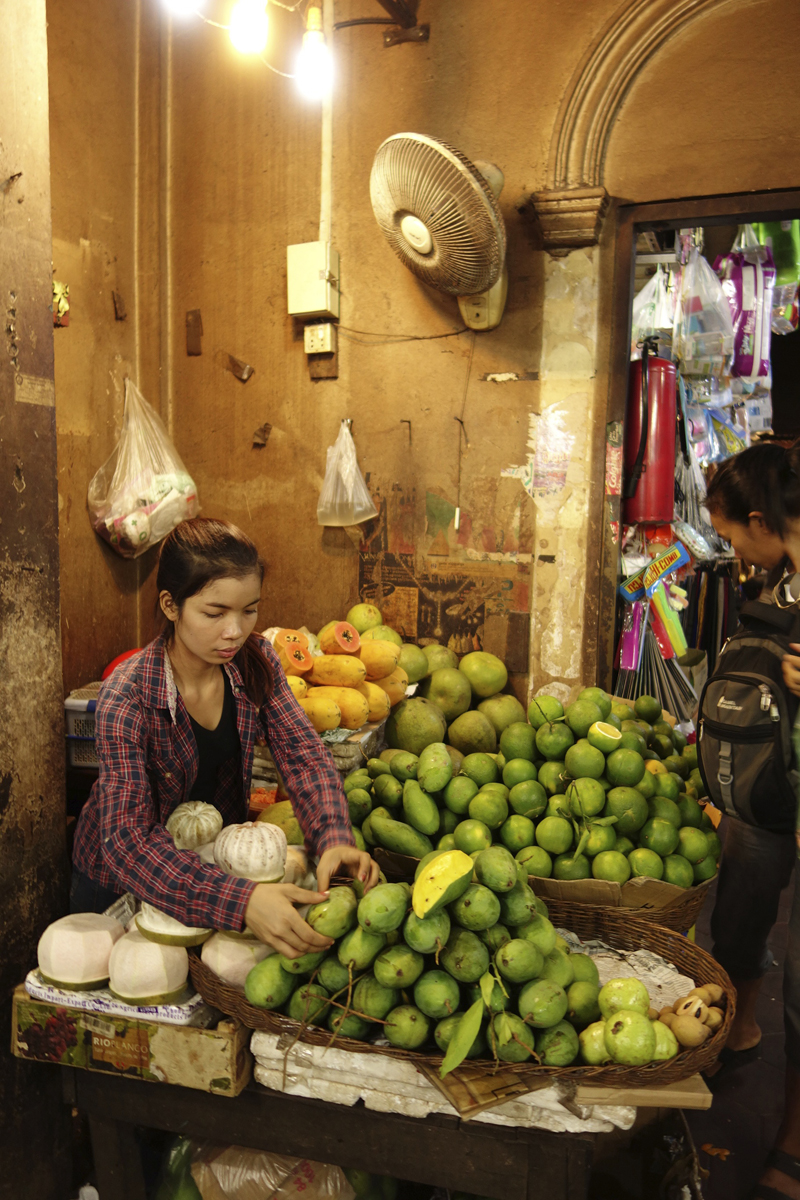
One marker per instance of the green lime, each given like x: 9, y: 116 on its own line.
x: 697, y: 780
x: 554, y: 835
x: 552, y: 777
x: 553, y: 741
x: 646, y: 862
x: 528, y: 799
x: 581, y: 715
x: 646, y: 785
x: 690, y: 754
x: 648, y: 708
x: 692, y: 844
x: 614, y: 722
x: 680, y: 741
x: 666, y: 786
x: 458, y: 793
x: 640, y: 727
x: 587, y: 797
x: 622, y: 710
x: 500, y: 759
x: 604, y: 737
x: 448, y: 842
x: 629, y: 807
x: 676, y: 764
x: 536, y: 861
x: 558, y: 806
x: 659, y: 835
x: 632, y: 740
x: 543, y: 709
x: 488, y: 808
x: 583, y: 760
x: 611, y: 866
x: 601, y: 837
x: 691, y: 812
x: 662, y: 745
x: 518, y: 740
x: 704, y: 870
x: 481, y: 768
x: 714, y: 844
x: 605, y: 784
x: 678, y: 871
x: 448, y: 820
x: 668, y: 810
x: 624, y: 844
x: 496, y: 789
x: 517, y: 770
x: 516, y: 833
x: 664, y: 728
x: 682, y: 783
x: 472, y: 835
x: 597, y: 696
x: 569, y: 866
x: 624, y: 768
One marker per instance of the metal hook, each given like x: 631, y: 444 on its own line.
x: 463, y: 430
x: 408, y: 423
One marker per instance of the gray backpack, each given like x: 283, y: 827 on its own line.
x: 744, y: 734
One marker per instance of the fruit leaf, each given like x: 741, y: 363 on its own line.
x: 504, y: 1031
x: 461, y: 1042
x: 581, y: 844
x: 605, y: 821
x: 487, y: 987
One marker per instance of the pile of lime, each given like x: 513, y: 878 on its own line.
x: 604, y: 790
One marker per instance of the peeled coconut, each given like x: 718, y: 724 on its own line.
x: 157, y: 926
x: 255, y: 850
x: 145, y: 973
x: 193, y: 824
x: 74, y: 951
x: 232, y: 958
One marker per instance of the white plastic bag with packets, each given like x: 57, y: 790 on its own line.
x: 344, y: 499
x: 653, y: 313
x: 143, y: 490
x: 702, y: 337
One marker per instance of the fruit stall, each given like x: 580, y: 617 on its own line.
x: 520, y: 972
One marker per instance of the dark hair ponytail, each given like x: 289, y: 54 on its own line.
x: 766, y: 479
x: 198, y: 552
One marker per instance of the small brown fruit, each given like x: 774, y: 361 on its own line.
x: 692, y: 1006
x: 667, y: 1009
x: 667, y: 1017
x: 703, y: 993
x: 715, y: 993
x: 714, y: 1018
x: 652, y: 1014
x: 689, y: 1031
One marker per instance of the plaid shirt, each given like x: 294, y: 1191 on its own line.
x: 148, y: 765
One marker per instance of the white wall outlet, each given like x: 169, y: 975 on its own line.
x: 319, y: 339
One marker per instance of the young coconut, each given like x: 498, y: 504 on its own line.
x: 714, y: 1018
x: 692, y: 1006
x: 688, y: 1030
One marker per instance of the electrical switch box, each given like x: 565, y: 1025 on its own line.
x: 312, y: 272
x: 319, y: 339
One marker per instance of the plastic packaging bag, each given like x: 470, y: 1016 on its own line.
x: 142, y: 490
x: 344, y: 499
x: 748, y: 281
x: 702, y: 337
x: 237, y: 1173
x: 652, y: 312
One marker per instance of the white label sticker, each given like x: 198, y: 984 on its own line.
x: 748, y: 288
x: 30, y: 389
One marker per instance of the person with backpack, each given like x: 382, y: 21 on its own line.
x: 745, y: 750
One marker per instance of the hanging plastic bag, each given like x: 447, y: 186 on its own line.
x: 142, y: 490
x: 652, y: 313
x: 783, y: 239
x: 344, y: 499
x: 702, y: 337
x: 748, y: 281
x: 238, y: 1173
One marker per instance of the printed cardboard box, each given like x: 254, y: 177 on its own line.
x: 212, y: 1060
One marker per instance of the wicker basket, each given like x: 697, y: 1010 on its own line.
x: 618, y: 927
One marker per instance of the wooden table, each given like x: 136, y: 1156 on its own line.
x: 442, y: 1151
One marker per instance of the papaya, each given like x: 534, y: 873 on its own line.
x: 340, y: 638
x: 295, y: 659
x: 337, y: 670
x: 298, y: 686
x: 379, y: 658
x: 351, y: 704
x: 394, y: 685
x: 397, y: 836
x: 378, y: 701
x: 322, y: 712
x: 288, y: 638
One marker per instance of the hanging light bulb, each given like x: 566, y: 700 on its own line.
x: 248, y: 26
x: 183, y: 8
x: 314, y: 70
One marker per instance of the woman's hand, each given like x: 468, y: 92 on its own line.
x: 791, y: 671
x: 273, y: 918
x: 346, y: 860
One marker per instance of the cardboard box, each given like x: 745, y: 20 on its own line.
x: 211, y: 1060
x: 639, y: 893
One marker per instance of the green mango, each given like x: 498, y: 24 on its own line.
x: 383, y: 908
x: 420, y: 809
x: 435, y: 767
x: 336, y: 915
x: 399, y: 837
x: 359, y: 947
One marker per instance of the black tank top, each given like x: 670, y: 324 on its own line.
x: 215, y: 747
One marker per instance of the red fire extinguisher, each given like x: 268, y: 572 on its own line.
x: 650, y: 426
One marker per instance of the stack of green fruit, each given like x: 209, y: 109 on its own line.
x: 599, y: 791
x: 468, y: 964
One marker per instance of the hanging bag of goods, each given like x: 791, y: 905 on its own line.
x: 344, y: 499
x: 748, y: 281
x: 783, y: 239
x: 142, y: 490
x: 702, y: 338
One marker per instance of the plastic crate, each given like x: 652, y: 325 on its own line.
x: 79, y: 709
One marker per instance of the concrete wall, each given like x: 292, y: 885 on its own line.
x: 239, y: 180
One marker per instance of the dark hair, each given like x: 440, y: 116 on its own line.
x: 196, y: 553
x: 766, y: 479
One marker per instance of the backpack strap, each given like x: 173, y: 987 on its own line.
x: 783, y: 620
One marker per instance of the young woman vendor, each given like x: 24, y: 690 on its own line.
x: 754, y: 503
x: 178, y: 722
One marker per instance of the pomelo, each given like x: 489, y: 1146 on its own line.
x: 632, y: 740
x: 544, y: 709
x: 489, y: 808
x: 364, y: 616
x: 413, y: 661
x: 662, y: 745
x: 621, y: 709
x: 601, y: 838
x: 472, y: 733
x: 447, y: 688
x: 439, y: 656
x: 472, y: 835
x: 536, y: 861
x: 518, y: 740
x: 414, y: 724
x: 552, y: 777
x: 714, y: 844
x: 558, y: 806
x: 516, y: 833
x: 581, y: 715
x: 677, y: 763
x: 586, y: 796
x: 518, y: 770
x: 655, y: 767
x: 571, y: 866
x: 624, y: 845
x: 458, y: 793
x: 667, y: 786
x: 486, y: 673
x: 502, y: 710
x: 690, y: 810
x: 704, y: 870
x: 668, y: 810
x: 646, y: 785
x: 690, y: 754
x: 382, y: 633
x: 692, y: 845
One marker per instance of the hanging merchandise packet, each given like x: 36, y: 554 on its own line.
x: 748, y: 281
x: 702, y: 338
x: 783, y: 239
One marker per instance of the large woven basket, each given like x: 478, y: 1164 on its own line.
x: 619, y: 928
